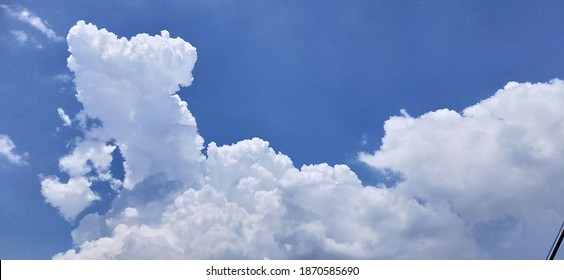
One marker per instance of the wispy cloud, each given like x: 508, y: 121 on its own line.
x: 20, y: 36
x: 22, y: 14
x: 64, y: 77
x: 7, y: 148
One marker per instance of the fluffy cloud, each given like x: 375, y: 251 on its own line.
x: 88, y: 156
x: 256, y: 204
x: 501, y: 158
x: 491, y: 167
x: 24, y: 15
x: 7, y: 148
x: 129, y: 86
x: 89, y: 162
x: 70, y: 198
x: 64, y: 117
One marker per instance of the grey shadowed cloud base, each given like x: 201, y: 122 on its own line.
x: 484, y: 183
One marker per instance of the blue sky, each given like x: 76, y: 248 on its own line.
x: 316, y: 79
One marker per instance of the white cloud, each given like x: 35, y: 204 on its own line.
x: 70, y: 198
x: 89, y: 162
x: 64, y: 117
x: 464, y: 173
x: 137, y: 104
x: 24, y: 15
x: 7, y: 148
x: 86, y: 157
x: 20, y: 36
x: 64, y: 77
x: 497, y: 159
x: 255, y: 204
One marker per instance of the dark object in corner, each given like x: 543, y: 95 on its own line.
x: 556, y: 244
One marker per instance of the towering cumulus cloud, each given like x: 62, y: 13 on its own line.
x: 128, y: 87
x: 465, y: 174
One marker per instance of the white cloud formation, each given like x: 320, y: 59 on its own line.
x: 64, y: 117
x: 464, y: 173
x: 130, y: 85
x: 497, y: 159
x: 256, y: 205
x: 7, y: 148
x: 70, y: 198
x: 20, y: 36
x: 86, y: 157
x: 89, y: 162
x: 24, y: 15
